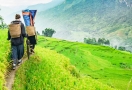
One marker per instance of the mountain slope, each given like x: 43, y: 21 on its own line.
x: 105, y: 64
x: 76, y: 19
x: 71, y: 65
x: 43, y: 7
x: 48, y: 70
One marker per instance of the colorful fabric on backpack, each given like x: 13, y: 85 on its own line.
x: 29, y: 16
x: 33, y: 14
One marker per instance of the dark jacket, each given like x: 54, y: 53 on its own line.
x: 19, y: 40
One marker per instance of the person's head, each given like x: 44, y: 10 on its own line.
x: 17, y: 16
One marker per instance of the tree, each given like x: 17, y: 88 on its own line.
x: 100, y: 41
x: 94, y: 41
x: 2, y: 25
x: 122, y: 48
x: 107, y: 42
x: 90, y: 41
x: 48, y: 32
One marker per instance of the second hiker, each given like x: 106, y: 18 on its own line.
x: 16, y: 34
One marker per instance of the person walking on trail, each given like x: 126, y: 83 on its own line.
x: 32, y: 39
x: 16, y: 34
x: 29, y: 17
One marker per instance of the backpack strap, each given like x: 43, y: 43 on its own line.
x: 16, y: 23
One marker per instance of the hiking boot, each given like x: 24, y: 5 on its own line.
x: 14, y: 66
x: 19, y: 62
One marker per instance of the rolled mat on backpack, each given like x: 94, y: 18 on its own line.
x: 29, y: 16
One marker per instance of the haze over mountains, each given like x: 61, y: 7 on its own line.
x: 78, y: 19
x: 5, y: 12
x: 8, y: 13
x: 42, y: 7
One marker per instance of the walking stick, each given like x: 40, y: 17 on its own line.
x: 28, y: 48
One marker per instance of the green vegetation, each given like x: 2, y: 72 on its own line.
x: 4, y: 57
x: 2, y: 24
x: 48, y: 70
x: 69, y: 65
x: 48, y: 32
x: 105, y: 64
x: 122, y: 48
x: 109, y: 19
x: 73, y: 65
x: 101, y: 41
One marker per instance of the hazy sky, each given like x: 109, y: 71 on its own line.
x: 21, y: 2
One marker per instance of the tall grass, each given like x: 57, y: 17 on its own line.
x: 72, y: 66
x: 105, y: 64
x: 4, y: 57
x: 48, y: 70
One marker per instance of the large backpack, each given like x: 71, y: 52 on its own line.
x: 30, y: 30
x: 15, y: 30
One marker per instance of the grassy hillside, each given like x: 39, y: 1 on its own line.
x: 105, y: 64
x: 68, y: 66
x: 48, y: 70
x: 4, y: 57
x: 91, y: 18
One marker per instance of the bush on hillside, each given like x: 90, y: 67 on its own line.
x: 48, y: 32
x: 100, y: 41
x: 122, y: 48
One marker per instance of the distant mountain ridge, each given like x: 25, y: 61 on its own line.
x: 43, y: 7
x: 8, y: 13
x: 76, y: 19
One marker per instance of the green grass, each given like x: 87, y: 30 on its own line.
x: 105, y: 64
x: 68, y: 66
x: 48, y: 70
x: 4, y: 57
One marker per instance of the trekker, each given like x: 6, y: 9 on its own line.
x: 29, y: 16
x: 16, y: 34
x: 32, y: 39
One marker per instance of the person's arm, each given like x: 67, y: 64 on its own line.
x: 9, y: 36
x: 23, y: 30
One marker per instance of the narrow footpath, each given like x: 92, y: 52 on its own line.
x: 11, y: 76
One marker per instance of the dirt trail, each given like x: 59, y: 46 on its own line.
x: 11, y: 76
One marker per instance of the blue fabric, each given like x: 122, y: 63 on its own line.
x: 33, y: 13
x: 27, y: 17
x: 26, y: 10
x: 26, y: 20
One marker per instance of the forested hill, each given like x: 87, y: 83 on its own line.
x: 76, y: 19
